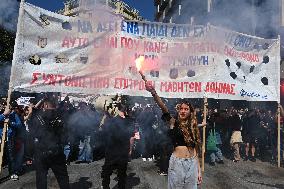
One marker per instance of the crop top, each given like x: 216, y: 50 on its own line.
x: 176, y: 134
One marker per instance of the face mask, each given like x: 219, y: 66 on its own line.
x: 48, y: 113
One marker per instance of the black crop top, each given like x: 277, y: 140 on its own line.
x: 176, y: 134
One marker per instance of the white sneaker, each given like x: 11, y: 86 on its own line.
x: 144, y: 159
x: 163, y: 174
x: 14, y: 177
x: 150, y: 159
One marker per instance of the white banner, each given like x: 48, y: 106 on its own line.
x: 95, y: 53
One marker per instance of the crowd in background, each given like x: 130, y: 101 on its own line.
x: 239, y: 134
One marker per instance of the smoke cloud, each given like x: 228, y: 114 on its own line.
x: 254, y: 17
x: 9, y: 11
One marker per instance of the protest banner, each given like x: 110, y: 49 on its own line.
x: 95, y: 52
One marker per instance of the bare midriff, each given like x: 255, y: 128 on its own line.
x: 184, y: 152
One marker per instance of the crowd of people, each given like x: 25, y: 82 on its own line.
x: 244, y: 134
x: 50, y: 134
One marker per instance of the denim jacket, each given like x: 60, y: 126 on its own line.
x: 14, y: 123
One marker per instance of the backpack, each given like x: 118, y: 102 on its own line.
x: 211, y: 141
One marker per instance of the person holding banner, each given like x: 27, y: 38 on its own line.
x: 15, y: 123
x: 47, y: 130
x: 184, y: 169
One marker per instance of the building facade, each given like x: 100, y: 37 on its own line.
x: 182, y: 11
x: 72, y: 8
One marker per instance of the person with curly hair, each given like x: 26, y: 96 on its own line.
x: 184, y: 168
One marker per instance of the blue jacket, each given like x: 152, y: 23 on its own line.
x: 14, y: 123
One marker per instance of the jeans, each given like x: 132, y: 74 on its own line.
x: 85, y: 153
x: 19, y: 158
x: 10, y: 149
x: 67, y: 149
x: 236, y: 148
x: 182, y: 173
x: 216, y: 155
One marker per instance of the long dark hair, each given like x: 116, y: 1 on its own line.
x: 190, y: 131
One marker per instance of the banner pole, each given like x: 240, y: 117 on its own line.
x: 280, y: 111
x: 5, y: 127
x: 278, y: 135
x: 204, y: 133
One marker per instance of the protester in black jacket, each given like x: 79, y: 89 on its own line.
x: 251, y: 133
x: 117, y: 133
x: 47, y: 130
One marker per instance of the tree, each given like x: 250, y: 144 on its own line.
x: 7, y: 41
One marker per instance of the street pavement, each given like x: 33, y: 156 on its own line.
x: 240, y: 175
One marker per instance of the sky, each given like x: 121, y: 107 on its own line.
x: 145, y: 7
